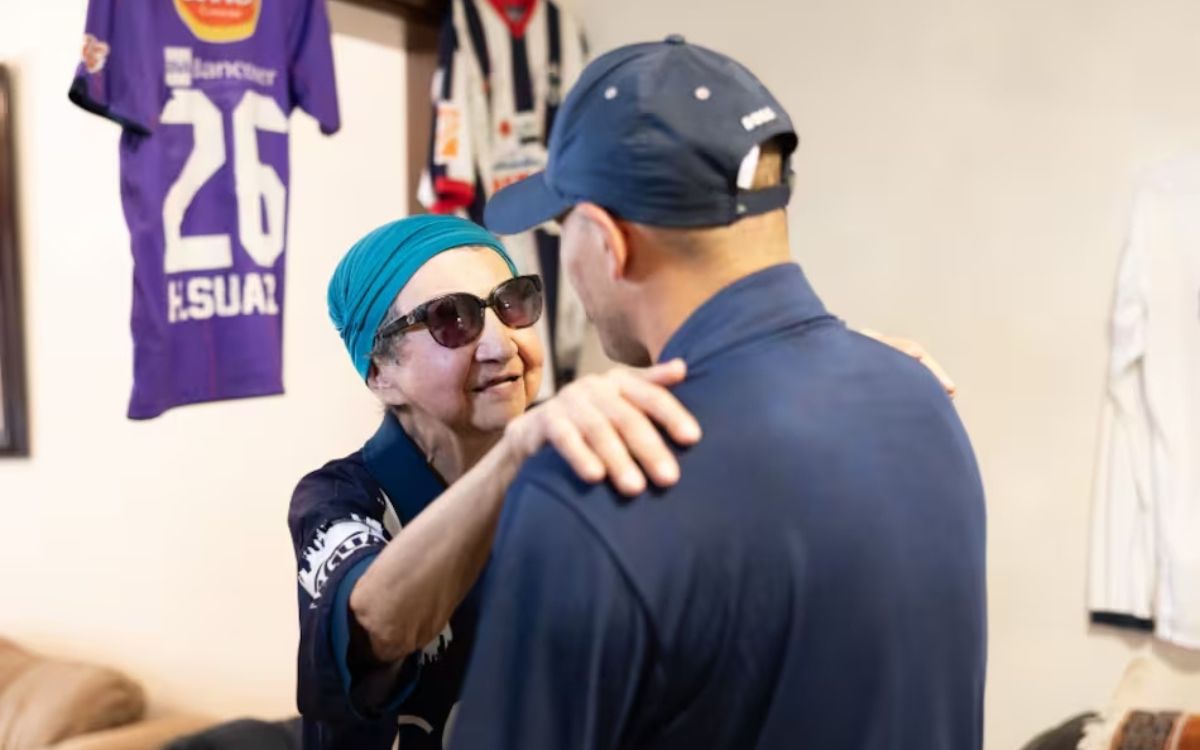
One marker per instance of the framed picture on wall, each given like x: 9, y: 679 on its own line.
x: 14, y: 426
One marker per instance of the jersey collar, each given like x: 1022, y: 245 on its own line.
x: 395, y: 462
x: 515, y: 26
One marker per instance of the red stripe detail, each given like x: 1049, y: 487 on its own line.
x: 451, y: 195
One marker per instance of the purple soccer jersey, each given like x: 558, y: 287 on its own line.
x: 203, y: 90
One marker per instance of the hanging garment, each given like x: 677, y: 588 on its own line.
x: 203, y: 94
x: 1145, y: 566
x: 503, y: 68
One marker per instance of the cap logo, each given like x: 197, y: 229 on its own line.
x: 758, y: 118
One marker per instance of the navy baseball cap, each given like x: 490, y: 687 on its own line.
x: 655, y: 133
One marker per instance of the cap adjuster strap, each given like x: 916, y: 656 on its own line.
x: 753, y: 202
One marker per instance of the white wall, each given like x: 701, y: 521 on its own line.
x: 963, y: 179
x: 161, y: 547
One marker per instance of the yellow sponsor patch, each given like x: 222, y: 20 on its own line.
x: 449, y: 133
x: 220, y: 20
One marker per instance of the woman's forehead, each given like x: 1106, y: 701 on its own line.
x: 476, y: 270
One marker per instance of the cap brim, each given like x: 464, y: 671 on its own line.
x: 524, y: 205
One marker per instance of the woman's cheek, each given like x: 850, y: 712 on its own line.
x: 533, y: 356
x: 532, y: 352
x: 444, y: 375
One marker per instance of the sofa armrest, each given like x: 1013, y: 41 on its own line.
x: 47, y: 701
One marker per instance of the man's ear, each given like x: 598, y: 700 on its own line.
x: 612, y: 236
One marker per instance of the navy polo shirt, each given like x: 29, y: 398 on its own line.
x: 815, y: 579
x: 341, y: 517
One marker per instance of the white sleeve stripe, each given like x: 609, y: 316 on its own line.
x: 331, y: 545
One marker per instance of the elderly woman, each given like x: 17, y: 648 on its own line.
x: 390, y: 540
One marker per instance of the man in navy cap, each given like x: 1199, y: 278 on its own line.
x: 816, y: 577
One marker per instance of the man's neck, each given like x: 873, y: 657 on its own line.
x: 674, y: 289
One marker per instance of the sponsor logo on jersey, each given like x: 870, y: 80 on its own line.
x: 516, y: 166
x: 182, y: 69
x: 502, y: 181
x: 220, y: 20
x: 758, y: 118
x: 447, y: 139
x: 95, y: 54
x: 528, y: 128
x: 177, y: 67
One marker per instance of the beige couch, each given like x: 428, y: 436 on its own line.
x: 51, y: 703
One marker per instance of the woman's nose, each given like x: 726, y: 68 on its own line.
x: 496, y: 343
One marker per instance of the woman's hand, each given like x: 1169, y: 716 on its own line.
x: 917, y: 352
x: 603, y: 425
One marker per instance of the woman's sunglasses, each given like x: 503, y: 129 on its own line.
x: 456, y: 320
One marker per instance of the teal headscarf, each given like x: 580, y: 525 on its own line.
x: 373, y: 272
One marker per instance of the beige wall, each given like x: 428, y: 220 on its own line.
x: 964, y: 175
x: 963, y: 179
x: 161, y: 547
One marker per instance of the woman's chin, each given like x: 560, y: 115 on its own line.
x: 494, y: 416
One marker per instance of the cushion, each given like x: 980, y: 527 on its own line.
x: 43, y: 701
x: 13, y: 661
x: 1152, y: 699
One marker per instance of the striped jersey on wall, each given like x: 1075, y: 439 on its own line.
x: 503, y: 68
